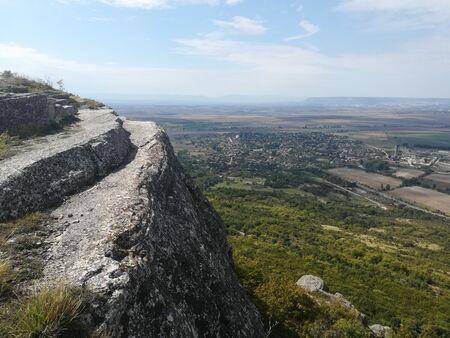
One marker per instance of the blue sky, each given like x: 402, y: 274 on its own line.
x: 140, y: 48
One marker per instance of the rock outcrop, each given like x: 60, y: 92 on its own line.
x: 55, y: 166
x: 314, y: 284
x: 311, y: 283
x: 381, y: 331
x: 33, y: 106
x: 28, y: 111
x: 131, y: 229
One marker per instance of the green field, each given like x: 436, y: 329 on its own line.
x: 440, y: 140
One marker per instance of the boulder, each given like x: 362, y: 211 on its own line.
x: 381, y: 331
x: 311, y: 283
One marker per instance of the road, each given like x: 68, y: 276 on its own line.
x: 386, y: 196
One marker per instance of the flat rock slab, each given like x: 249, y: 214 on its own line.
x: 48, y: 169
x: 147, y: 243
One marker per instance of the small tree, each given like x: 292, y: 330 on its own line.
x: 60, y: 84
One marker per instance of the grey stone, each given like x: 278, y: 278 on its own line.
x: 381, y: 331
x: 56, y: 166
x: 311, y: 283
x: 164, y: 272
x: 19, y: 112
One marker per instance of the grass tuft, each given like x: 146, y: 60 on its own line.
x: 47, y: 313
x: 6, y: 143
x: 7, y: 277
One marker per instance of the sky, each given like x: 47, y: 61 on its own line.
x: 134, y: 49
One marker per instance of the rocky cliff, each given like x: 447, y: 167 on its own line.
x: 125, y: 224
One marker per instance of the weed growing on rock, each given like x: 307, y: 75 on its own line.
x: 6, y: 144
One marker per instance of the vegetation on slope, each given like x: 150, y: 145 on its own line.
x: 386, y: 274
x: 43, y: 313
x: 284, y: 221
x: 15, y: 82
x: 6, y: 144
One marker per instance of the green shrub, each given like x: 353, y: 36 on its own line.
x: 297, y: 314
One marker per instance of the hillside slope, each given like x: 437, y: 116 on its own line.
x: 106, y: 211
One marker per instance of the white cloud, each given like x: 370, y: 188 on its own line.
x: 396, y: 5
x: 233, y: 2
x: 405, y: 14
x: 154, y: 4
x: 242, y: 25
x: 309, y: 30
x: 418, y: 69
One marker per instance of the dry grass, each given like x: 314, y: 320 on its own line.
x: 46, y: 313
x: 442, y: 181
x: 18, y: 266
x: 31, y: 85
x: 374, y: 181
x: 6, y: 144
x: 22, y: 225
x: 427, y: 198
x: 87, y: 103
x: 7, y: 277
x: 408, y: 173
x: 331, y: 228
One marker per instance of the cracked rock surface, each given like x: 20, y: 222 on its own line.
x: 151, y: 249
x: 48, y: 169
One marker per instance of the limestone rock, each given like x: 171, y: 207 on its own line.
x: 381, y: 331
x: 28, y: 111
x: 56, y: 166
x: 311, y: 283
x: 152, y: 250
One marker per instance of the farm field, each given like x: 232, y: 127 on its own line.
x: 442, y: 181
x: 374, y: 181
x: 428, y: 198
x: 408, y: 173
x: 428, y: 139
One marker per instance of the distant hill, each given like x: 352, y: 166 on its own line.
x: 376, y: 102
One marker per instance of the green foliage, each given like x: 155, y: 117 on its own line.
x: 377, y: 166
x: 384, y: 273
x: 294, y: 313
x: 47, y: 313
x: 432, y: 139
x: 285, y: 220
